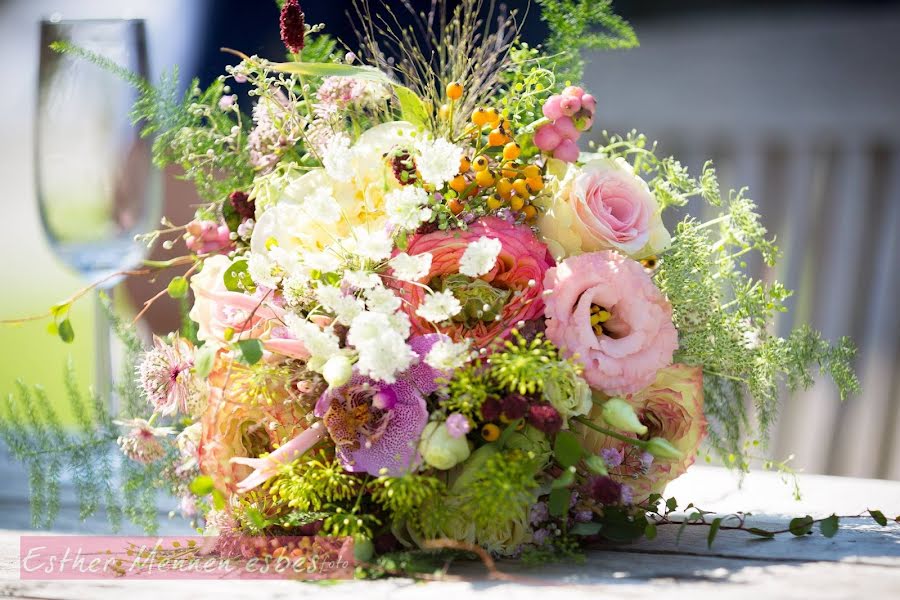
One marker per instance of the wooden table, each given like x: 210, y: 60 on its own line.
x: 862, y: 561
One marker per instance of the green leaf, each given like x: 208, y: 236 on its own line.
x: 251, y: 351
x: 713, y: 531
x: 650, y: 531
x: 761, y: 533
x: 829, y: 526
x: 237, y: 277
x: 591, y: 528
x: 203, y: 361
x: 311, y: 69
x: 878, y: 516
x: 801, y: 525
x: 201, y: 485
x: 178, y: 287
x: 567, y: 449
x: 66, y: 333
x: 559, y: 502
x: 671, y: 504
x: 564, y: 480
x: 218, y: 499
x: 596, y: 465
x: 58, y: 310
x: 412, y: 109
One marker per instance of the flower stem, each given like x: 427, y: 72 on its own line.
x: 613, y: 434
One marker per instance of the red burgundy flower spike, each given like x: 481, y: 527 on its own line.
x: 293, y: 30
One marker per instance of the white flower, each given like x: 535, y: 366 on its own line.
x: 411, y: 268
x: 322, y: 206
x: 322, y: 344
x: 382, y: 350
x: 438, y: 160
x: 296, y: 290
x: 362, y: 280
x: 439, y: 306
x: 373, y: 245
x: 337, y: 370
x: 480, y: 256
x: 406, y: 207
x: 263, y: 271
x: 336, y: 158
x: 326, y: 262
x: 447, y: 355
x: 345, y: 308
x: 383, y: 300
x: 400, y: 323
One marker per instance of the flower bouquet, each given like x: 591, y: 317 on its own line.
x: 422, y: 315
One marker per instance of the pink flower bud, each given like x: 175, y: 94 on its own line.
x: 573, y: 90
x: 566, y: 128
x: 567, y: 151
x: 570, y: 105
x: 589, y: 103
x: 552, y: 109
x: 547, y: 138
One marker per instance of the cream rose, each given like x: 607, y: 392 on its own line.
x: 603, y: 205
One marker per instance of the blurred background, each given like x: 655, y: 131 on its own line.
x: 800, y: 101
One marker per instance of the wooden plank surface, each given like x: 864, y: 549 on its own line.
x: 863, y: 560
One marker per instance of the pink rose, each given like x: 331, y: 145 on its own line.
x: 606, y: 206
x: 671, y: 408
x: 513, y: 289
x: 636, y: 337
x: 223, y: 316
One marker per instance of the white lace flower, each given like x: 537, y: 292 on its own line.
x: 322, y: 206
x: 480, y: 256
x: 382, y: 350
x: 321, y: 344
x: 439, y: 306
x: 411, y: 268
x: 336, y: 158
x: 263, y: 271
x: 447, y: 355
x: 380, y: 299
x: 373, y: 245
x: 345, y: 308
x: 406, y: 207
x: 362, y: 280
x: 326, y: 262
x: 296, y: 290
x: 437, y: 160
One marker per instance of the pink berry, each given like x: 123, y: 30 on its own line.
x: 552, y: 109
x: 570, y: 105
x: 573, y: 90
x: 547, y: 138
x: 566, y: 128
x: 589, y: 103
x: 567, y: 151
x: 584, y: 123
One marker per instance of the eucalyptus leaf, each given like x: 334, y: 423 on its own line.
x: 713, y: 531
x: 65, y: 331
x: 251, y: 351
x: 559, y: 501
x: 801, y: 525
x: 878, y: 516
x: 567, y: 449
x: 178, y: 287
x: 829, y: 526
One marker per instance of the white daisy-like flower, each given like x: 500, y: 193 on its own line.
x: 480, y: 256
x: 380, y: 299
x: 439, y: 306
x: 337, y: 156
x: 263, y: 271
x: 362, y: 280
x: 447, y: 355
x: 373, y: 245
x: 411, y: 268
x: 406, y: 208
x: 437, y: 160
x: 322, y: 206
x: 345, y: 308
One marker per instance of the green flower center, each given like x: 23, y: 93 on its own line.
x: 481, y: 302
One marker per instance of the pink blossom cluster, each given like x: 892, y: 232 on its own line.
x: 205, y: 237
x: 569, y: 113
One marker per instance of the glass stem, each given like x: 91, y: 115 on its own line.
x: 103, y: 368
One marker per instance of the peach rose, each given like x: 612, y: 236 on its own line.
x: 603, y: 205
x: 671, y: 408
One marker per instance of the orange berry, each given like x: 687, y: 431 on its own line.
x: 535, y: 184
x: 480, y: 117
x: 454, y: 91
x: 511, y: 151
x: 510, y: 170
x: 504, y: 188
x: 494, y: 203
x: 516, y: 202
x: 484, y: 178
x: 497, y: 138
x: 531, y: 171
x: 444, y: 112
x: 455, y: 206
x: 480, y: 163
x: 458, y: 184
x: 464, y: 165
x: 521, y: 188
x: 493, y: 116
x: 530, y: 212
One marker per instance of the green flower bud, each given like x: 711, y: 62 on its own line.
x: 621, y: 415
x: 661, y: 448
x: 596, y: 464
x: 441, y: 450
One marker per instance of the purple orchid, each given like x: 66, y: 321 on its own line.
x: 375, y: 425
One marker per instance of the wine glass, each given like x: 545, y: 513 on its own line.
x: 96, y: 185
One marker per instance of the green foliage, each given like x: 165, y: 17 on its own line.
x: 466, y: 391
x: 524, y: 366
x: 582, y: 24
x: 404, y: 496
x: 315, y: 483
x: 502, y: 490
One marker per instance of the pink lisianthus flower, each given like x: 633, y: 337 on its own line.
x: 672, y: 408
x: 206, y: 237
x: 223, y: 315
x: 514, y: 284
x: 376, y: 426
x: 622, y: 354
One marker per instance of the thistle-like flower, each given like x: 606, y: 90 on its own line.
x: 143, y: 442
x: 166, y: 378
